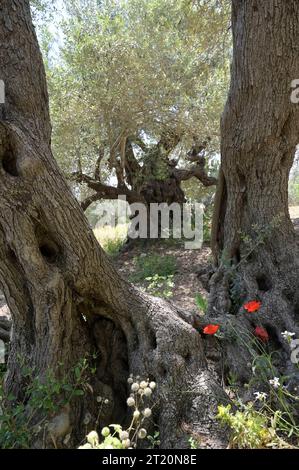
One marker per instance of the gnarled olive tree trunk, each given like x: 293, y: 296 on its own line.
x: 65, y: 297
x: 253, y: 238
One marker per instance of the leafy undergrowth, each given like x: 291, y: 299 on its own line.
x: 268, y: 417
x: 23, y: 420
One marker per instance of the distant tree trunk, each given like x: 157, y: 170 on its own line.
x: 254, y: 241
x: 65, y: 297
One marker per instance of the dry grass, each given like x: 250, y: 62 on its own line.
x: 111, y: 238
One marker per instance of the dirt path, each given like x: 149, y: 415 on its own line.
x: 186, y: 279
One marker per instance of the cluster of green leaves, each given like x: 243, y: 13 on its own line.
x: 155, y: 273
x: 22, y: 419
x: 147, y: 266
x: 136, y: 67
x: 250, y: 429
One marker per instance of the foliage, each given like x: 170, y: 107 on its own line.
x: 250, y: 429
x: 156, y: 274
x: 23, y: 419
x: 137, y: 68
x: 160, y: 286
x: 154, y: 440
x: 147, y: 266
x: 201, y: 303
x: 270, y: 419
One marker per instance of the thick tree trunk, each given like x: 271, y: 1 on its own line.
x: 66, y: 299
x: 253, y: 237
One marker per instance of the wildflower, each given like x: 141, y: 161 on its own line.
x: 147, y: 412
x: 152, y: 385
x: 124, y: 435
x: 130, y: 380
x: 85, y: 446
x: 130, y: 401
x: 105, y: 432
x: 148, y: 392
x: 211, y: 329
x: 287, y: 335
x: 143, y: 384
x: 142, y: 433
x: 261, y: 333
x: 136, y: 414
x: 93, y: 438
x: 87, y: 419
x: 135, y: 387
x: 106, y: 401
x: 252, y: 306
x: 274, y: 382
x: 126, y: 443
x: 261, y: 396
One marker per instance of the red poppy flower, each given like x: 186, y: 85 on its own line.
x: 211, y: 329
x: 253, y: 306
x: 261, y: 333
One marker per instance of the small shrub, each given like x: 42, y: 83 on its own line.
x: 22, y: 420
x: 250, y: 429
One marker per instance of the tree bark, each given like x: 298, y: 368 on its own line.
x: 254, y: 241
x: 65, y: 297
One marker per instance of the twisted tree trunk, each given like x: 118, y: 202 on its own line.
x: 254, y: 239
x: 65, y: 297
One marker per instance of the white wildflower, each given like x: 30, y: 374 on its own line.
x: 85, y: 446
x: 287, y: 335
x: 148, y: 392
x: 274, y: 382
x: 93, y: 438
x: 126, y: 443
x: 136, y: 414
x: 135, y: 387
x: 124, y: 435
x: 261, y: 396
x: 142, y: 433
x: 105, y: 432
x: 130, y: 401
x: 143, y: 384
x: 147, y: 412
x: 152, y: 385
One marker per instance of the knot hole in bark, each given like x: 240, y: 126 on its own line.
x: 8, y: 159
x: 48, y: 246
x: 264, y: 283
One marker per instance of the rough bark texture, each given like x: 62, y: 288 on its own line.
x: 65, y: 297
x: 253, y: 238
x: 158, y: 180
